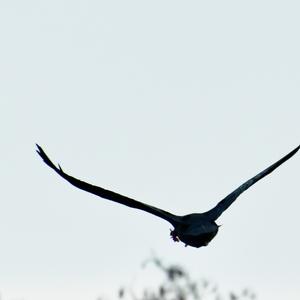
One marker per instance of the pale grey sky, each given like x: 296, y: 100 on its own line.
x: 174, y: 103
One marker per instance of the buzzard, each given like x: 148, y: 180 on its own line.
x: 196, y: 229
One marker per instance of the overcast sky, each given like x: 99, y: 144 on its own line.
x: 174, y: 103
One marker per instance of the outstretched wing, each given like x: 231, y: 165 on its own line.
x: 215, y: 213
x: 98, y: 191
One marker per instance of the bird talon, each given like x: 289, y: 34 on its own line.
x: 174, y: 236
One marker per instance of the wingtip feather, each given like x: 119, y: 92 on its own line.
x: 46, y: 159
x: 295, y: 150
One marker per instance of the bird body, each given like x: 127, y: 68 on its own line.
x: 196, y: 229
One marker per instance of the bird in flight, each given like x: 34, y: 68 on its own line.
x: 196, y: 229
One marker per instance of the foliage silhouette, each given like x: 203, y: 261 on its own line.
x: 178, y: 285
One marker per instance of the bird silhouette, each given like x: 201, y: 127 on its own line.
x: 196, y: 229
